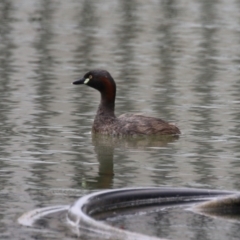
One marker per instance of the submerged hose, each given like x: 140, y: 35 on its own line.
x: 81, y: 213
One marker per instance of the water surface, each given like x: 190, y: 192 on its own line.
x: 178, y: 60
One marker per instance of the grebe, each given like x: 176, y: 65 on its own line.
x: 107, y: 123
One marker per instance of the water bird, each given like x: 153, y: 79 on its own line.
x: 127, y: 124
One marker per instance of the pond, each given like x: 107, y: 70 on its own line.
x: 176, y: 60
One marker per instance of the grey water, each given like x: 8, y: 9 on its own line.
x: 177, y: 60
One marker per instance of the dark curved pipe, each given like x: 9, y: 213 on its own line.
x: 81, y: 213
x: 115, y: 199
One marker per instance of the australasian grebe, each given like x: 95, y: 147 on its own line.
x: 107, y: 123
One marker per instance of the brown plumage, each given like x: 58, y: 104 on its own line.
x: 107, y: 123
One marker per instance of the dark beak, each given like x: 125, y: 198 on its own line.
x: 80, y: 81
